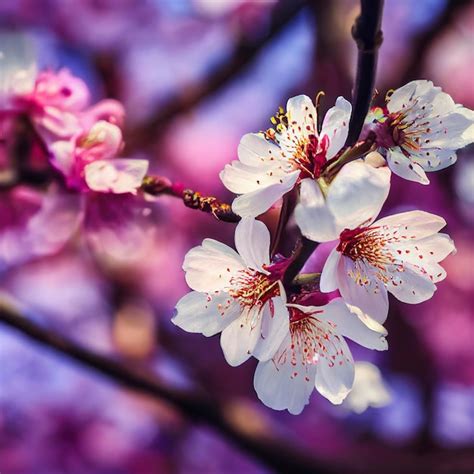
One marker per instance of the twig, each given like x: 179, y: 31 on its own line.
x: 368, y: 37
x: 245, y: 52
x: 158, y: 185
x: 280, y: 455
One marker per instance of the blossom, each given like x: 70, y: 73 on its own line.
x: 369, y: 389
x: 421, y: 129
x: 273, y: 163
x: 88, y: 161
x: 314, y: 354
x: 397, y: 254
x: 237, y: 293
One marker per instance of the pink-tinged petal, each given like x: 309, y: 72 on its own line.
x: 206, y: 314
x: 103, y: 141
x: 118, y: 225
x: 357, y: 194
x: 336, y: 125
x: 410, y: 285
x: 252, y: 241
x: 412, y: 224
x: 254, y: 150
x: 257, y: 202
x: 240, y: 178
x: 109, y: 110
x: 210, y: 266
x: 62, y: 156
x: 352, y: 323
x: 119, y: 175
x: 313, y: 216
x: 405, y: 167
x: 329, y: 280
x: 301, y: 115
x: 239, y: 339
x: 360, y: 287
x: 285, y: 383
x: 53, y: 124
x: 275, y: 326
x: 334, y: 380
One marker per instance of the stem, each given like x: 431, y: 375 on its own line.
x: 158, y: 185
x: 278, y: 454
x: 368, y: 37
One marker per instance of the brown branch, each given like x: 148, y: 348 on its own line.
x: 280, y: 455
x: 158, y: 185
x: 245, y: 52
x: 368, y: 36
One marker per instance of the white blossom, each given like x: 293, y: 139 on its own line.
x: 237, y: 294
x: 314, y: 354
x: 399, y: 254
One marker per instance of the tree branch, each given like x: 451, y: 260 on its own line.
x: 245, y: 52
x: 368, y: 37
x: 280, y: 455
x: 158, y: 185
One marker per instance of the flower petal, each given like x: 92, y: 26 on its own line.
x: 254, y: 150
x: 201, y: 313
x: 406, y: 168
x: 278, y: 387
x: 210, y: 266
x: 301, y: 114
x: 312, y: 215
x: 334, y: 380
x: 119, y: 175
x: 239, y: 339
x: 336, y: 125
x: 275, y: 326
x: 357, y: 194
x: 257, y: 202
x: 329, y: 281
x: 252, y: 241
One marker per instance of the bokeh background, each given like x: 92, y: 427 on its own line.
x: 194, y: 76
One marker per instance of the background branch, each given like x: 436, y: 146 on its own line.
x: 280, y: 455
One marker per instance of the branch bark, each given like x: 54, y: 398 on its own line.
x: 280, y: 455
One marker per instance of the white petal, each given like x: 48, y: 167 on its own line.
x: 352, y: 323
x: 370, y: 297
x: 313, y: 215
x: 328, y: 280
x: 401, y: 97
x: 63, y: 156
x: 255, y: 150
x: 453, y: 131
x: 336, y: 125
x: 240, y: 178
x: 210, y: 266
x: 357, y: 194
x: 278, y: 387
x: 200, y: 313
x: 239, y: 339
x: 275, y: 326
x: 334, y: 380
x: 119, y: 175
x: 405, y: 168
x: 410, y: 285
x: 257, y: 202
x: 301, y: 114
x: 252, y: 241
x: 412, y: 224
x: 419, y: 252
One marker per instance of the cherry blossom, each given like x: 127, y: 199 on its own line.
x: 399, y: 254
x: 237, y: 293
x: 314, y: 354
x: 88, y: 161
x: 421, y: 129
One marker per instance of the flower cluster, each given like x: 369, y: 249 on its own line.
x: 81, y: 141
x: 338, y: 191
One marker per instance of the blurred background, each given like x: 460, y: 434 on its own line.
x: 194, y: 76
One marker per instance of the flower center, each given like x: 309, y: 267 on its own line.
x: 252, y: 288
x: 309, y: 156
x: 365, y: 244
